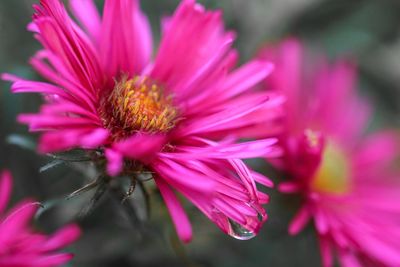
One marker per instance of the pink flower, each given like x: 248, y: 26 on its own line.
x: 20, y: 246
x: 346, y: 178
x: 177, y: 115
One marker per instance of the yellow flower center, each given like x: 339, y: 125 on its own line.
x: 333, y: 174
x: 138, y: 104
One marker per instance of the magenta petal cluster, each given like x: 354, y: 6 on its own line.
x: 347, y: 178
x: 20, y: 245
x: 178, y: 114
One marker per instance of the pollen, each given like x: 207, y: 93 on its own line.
x: 138, y: 105
x: 334, y: 173
x: 313, y: 138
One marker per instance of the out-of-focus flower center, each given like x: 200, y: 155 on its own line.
x: 137, y: 105
x: 333, y: 174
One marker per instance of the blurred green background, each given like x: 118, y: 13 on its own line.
x: 367, y: 31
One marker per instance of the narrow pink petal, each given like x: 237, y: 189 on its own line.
x: 225, y: 184
x: 62, y: 238
x: 35, y: 261
x: 54, y: 69
x: 382, y: 249
x: 348, y: 259
x: 5, y: 189
x: 232, y: 193
x: 261, y: 179
x: 38, y: 87
x: 17, y: 220
x: 245, y: 176
x: 51, y: 260
x: 60, y: 35
x: 246, y: 77
x: 178, y: 215
x: 115, y: 161
x: 88, y: 15
x: 165, y: 23
x: 141, y: 146
x: 66, y: 108
x: 252, y: 149
x: 287, y: 78
x: 321, y: 222
x: 301, y: 219
x: 230, y: 211
x: 242, y: 207
x: 88, y: 138
x: 40, y: 122
x: 288, y: 187
x: 95, y: 138
x: 10, y: 77
x: 225, y: 119
x: 125, y: 42
x: 382, y: 146
x: 263, y: 198
x: 32, y: 27
x: 326, y: 252
x: 181, y: 65
x: 178, y: 175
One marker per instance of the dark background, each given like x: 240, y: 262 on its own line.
x: 367, y: 31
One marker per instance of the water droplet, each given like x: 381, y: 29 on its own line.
x: 239, y: 232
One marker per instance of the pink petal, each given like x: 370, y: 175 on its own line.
x: 259, y: 148
x: 125, y: 43
x: 178, y: 215
x: 10, y: 77
x: 288, y: 187
x: 5, y: 189
x: 17, y: 220
x: 181, y: 66
x: 51, y: 260
x: 62, y: 238
x: 301, y: 219
x: 88, y: 138
x: 115, y: 162
x: 261, y: 179
x: 286, y: 77
x: 141, y: 146
x: 227, y: 119
x: 177, y: 174
x: 95, y: 138
x: 60, y: 35
x: 88, y: 15
x: 246, y: 77
x: 326, y: 252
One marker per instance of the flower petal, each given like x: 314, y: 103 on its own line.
x: 5, y: 189
x: 62, y: 238
x: 182, y: 65
x: 125, y: 42
x: 179, y: 217
x: 88, y: 15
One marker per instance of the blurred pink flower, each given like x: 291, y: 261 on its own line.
x: 347, y: 180
x: 20, y: 246
x: 178, y: 115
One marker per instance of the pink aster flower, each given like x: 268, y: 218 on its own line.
x: 346, y: 178
x: 177, y: 115
x: 20, y: 245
